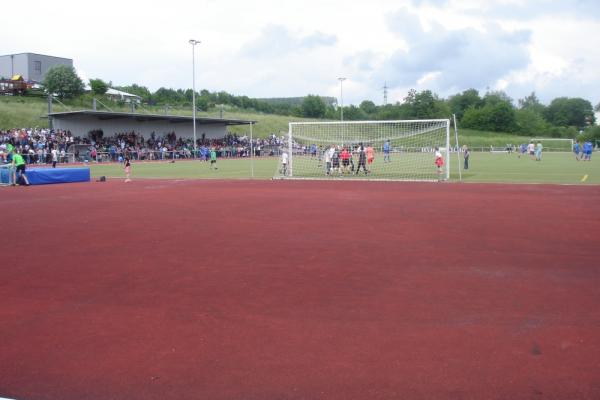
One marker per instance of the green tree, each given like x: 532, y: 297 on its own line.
x: 459, y: 103
x: 498, y: 117
x: 425, y: 104
x: 495, y: 97
x: 353, y: 113
x: 313, y: 107
x: 564, y: 111
x: 393, y: 111
x: 63, y: 81
x: 532, y: 103
x: 531, y: 123
x: 368, y: 107
x: 141, y: 91
x: 98, y: 86
x: 168, y: 96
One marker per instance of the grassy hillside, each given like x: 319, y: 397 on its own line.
x: 16, y: 112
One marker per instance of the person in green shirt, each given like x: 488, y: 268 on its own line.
x: 18, y: 164
x: 213, y: 158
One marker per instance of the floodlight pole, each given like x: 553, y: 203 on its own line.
x: 194, y: 43
x: 342, y: 106
x: 341, y: 98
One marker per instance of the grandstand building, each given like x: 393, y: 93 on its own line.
x: 80, y: 123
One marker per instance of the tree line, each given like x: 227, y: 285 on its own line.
x: 493, y: 111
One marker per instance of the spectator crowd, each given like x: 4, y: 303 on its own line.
x: 36, y: 145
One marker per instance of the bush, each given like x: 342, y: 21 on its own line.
x: 497, y: 117
x: 591, y: 133
x: 531, y: 123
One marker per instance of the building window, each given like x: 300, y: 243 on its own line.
x: 37, y: 67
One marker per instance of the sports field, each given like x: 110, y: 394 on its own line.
x: 257, y: 289
x: 484, y: 167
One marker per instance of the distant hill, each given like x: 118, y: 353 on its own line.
x: 296, y: 101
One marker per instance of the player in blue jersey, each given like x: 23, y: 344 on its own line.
x: 576, y: 150
x: 588, y: 147
x: 386, y: 151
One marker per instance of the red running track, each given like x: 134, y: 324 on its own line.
x: 299, y: 290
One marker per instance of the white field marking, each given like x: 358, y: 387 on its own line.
x: 584, y: 178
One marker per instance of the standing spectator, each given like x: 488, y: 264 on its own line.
x: 328, y: 156
x: 538, y: 151
x: 54, y: 153
x: 284, y: 163
x: 466, y: 155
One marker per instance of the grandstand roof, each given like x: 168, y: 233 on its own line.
x: 106, y: 115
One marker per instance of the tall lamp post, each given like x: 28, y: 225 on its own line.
x: 341, y: 98
x: 194, y: 43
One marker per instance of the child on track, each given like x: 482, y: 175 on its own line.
x: 127, y: 169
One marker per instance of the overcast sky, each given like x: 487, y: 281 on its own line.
x: 276, y: 48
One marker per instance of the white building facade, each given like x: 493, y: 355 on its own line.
x: 31, y: 66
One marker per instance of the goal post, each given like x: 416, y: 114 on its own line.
x: 555, y: 144
x: 386, y: 150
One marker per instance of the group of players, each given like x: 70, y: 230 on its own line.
x: 583, y: 151
x: 340, y: 159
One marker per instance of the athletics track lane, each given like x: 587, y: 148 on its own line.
x: 299, y: 290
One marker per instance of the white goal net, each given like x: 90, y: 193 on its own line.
x: 398, y: 150
x: 554, y: 144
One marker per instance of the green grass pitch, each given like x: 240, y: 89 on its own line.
x: 484, y: 167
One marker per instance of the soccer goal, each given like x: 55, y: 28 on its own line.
x: 386, y: 150
x: 554, y: 144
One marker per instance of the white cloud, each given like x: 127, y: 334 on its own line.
x: 271, y: 48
